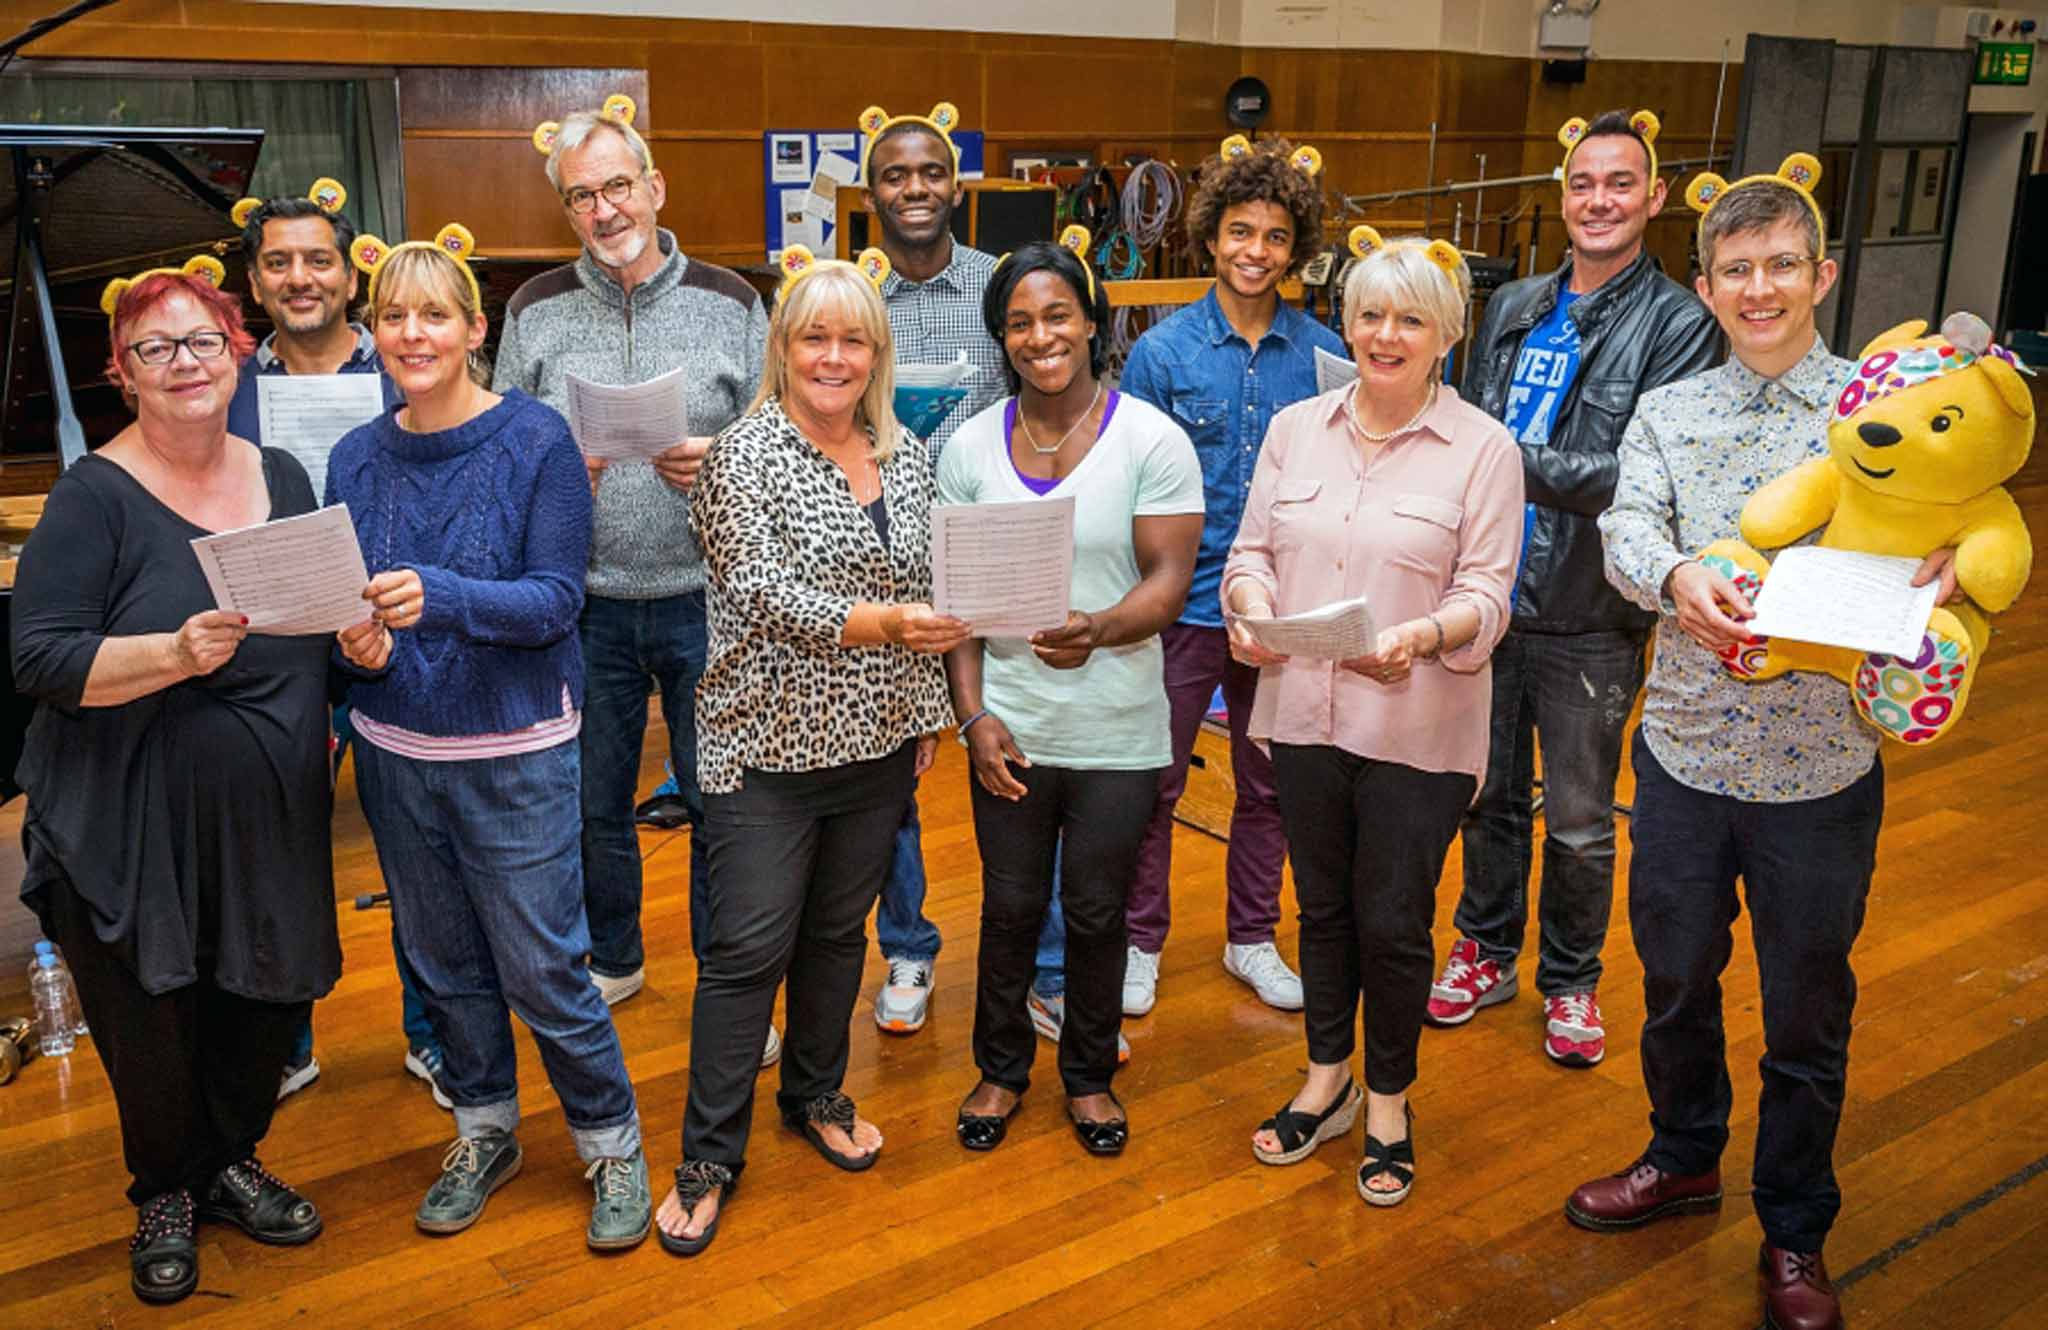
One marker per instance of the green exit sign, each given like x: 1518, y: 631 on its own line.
x: 2004, y: 62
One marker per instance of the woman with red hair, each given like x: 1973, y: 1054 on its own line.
x: 178, y: 798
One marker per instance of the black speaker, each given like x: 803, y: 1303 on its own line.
x: 1564, y: 71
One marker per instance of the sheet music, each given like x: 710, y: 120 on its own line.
x: 294, y: 576
x: 1003, y: 567
x: 1844, y: 598
x: 631, y: 423
x: 1333, y: 371
x: 1340, y: 630
x: 306, y: 414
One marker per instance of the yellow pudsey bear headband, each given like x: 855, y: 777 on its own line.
x: 1800, y: 173
x: 371, y: 254
x: 875, y: 122
x: 1304, y: 159
x: 199, y: 265
x: 1075, y: 240
x: 618, y: 108
x: 798, y: 263
x: 326, y: 193
x: 1573, y: 132
x: 1363, y: 240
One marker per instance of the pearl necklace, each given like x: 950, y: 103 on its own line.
x: 1351, y: 404
x: 1032, y: 440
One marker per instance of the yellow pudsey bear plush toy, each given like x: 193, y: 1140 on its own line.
x: 1921, y: 440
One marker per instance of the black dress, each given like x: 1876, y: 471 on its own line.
x: 193, y: 821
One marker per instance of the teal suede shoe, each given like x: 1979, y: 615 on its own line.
x: 474, y: 1167
x: 622, y: 1210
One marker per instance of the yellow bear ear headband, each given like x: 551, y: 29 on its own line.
x: 1304, y: 159
x: 199, y: 265
x: 1363, y: 240
x: 618, y: 108
x: 1573, y: 132
x: 370, y: 254
x: 875, y: 122
x: 326, y: 193
x: 798, y: 263
x: 1800, y: 173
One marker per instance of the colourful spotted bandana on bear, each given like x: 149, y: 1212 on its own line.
x: 1900, y: 368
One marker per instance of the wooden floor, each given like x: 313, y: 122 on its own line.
x: 1943, y: 1144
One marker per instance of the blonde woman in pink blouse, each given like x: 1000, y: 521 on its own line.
x: 1395, y: 490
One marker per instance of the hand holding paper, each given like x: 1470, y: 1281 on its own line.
x: 1341, y: 630
x: 1004, y: 567
x: 1845, y: 598
x: 631, y: 423
x: 294, y: 576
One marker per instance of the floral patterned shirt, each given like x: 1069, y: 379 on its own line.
x: 1693, y: 453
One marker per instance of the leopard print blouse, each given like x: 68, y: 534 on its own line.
x: 787, y: 553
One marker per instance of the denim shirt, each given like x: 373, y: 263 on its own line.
x: 1224, y: 393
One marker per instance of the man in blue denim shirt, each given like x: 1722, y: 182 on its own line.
x: 1222, y: 367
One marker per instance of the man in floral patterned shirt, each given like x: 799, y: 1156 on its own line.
x: 1777, y: 783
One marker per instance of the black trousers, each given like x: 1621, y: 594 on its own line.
x: 795, y: 862
x: 1805, y: 869
x: 1368, y: 840
x: 194, y: 1071
x: 1094, y: 821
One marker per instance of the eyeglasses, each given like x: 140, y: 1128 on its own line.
x: 1782, y: 269
x: 615, y: 190
x: 208, y: 345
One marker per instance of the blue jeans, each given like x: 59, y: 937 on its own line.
x: 1050, y: 964
x: 1573, y: 692
x: 628, y: 647
x: 901, y: 929
x: 419, y: 1031
x: 487, y: 894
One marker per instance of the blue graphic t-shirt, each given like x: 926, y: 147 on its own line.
x: 1543, y: 373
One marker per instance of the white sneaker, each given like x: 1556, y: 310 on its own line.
x: 425, y: 1063
x: 1048, y: 1014
x: 617, y: 990
x: 771, y: 1053
x: 1141, y: 981
x: 298, y: 1078
x: 1259, y: 965
x: 905, y: 997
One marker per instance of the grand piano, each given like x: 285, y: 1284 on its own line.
x: 80, y: 205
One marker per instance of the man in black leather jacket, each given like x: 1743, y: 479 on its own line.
x: 1561, y: 359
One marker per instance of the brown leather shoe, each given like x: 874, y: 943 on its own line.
x: 1797, y: 1292
x: 1639, y: 1193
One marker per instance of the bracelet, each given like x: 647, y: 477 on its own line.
x: 965, y: 725
x: 1438, y: 649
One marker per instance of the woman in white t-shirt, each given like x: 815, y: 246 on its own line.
x: 1067, y: 731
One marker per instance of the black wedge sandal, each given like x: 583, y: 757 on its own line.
x: 1101, y: 1137
x: 985, y: 1131
x: 163, y: 1256
x: 694, y: 1181
x: 830, y: 1110
x: 1396, y: 1161
x: 1301, y: 1134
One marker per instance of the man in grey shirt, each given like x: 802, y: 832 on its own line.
x: 633, y: 307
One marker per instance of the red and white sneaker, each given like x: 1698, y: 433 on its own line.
x: 1467, y: 984
x: 1572, y: 1033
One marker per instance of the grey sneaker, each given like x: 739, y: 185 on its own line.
x: 905, y: 997
x: 1048, y: 1014
x: 622, y: 1210
x: 474, y: 1167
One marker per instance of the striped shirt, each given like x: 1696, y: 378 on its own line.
x: 398, y: 740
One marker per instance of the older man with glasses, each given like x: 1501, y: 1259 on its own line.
x: 631, y: 308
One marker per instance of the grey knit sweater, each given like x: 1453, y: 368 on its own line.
x: 577, y: 319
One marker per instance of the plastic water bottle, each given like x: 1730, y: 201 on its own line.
x: 78, y: 1027
x: 50, y: 984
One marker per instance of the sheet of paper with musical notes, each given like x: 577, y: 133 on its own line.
x: 1341, y: 630
x: 306, y: 414
x: 630, y: 423
x: 294, y: 576
x: 1003, y: 567
x: 1844, y: 598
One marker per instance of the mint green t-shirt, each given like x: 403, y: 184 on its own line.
x: 1110, y: 714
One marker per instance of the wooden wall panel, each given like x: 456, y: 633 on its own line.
x: 710, y: 86
x: 461, y: 98
x: 494, y: 186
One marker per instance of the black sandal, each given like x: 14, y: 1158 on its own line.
x: 1301, y: 1134
x: 163, y: 1258
x: 831, y: 1110
x: 983, y: 1131
x: 694, y: 1181
x: 1098, y: 1137
x: 261, y: 1204
x: 1396, y: 1161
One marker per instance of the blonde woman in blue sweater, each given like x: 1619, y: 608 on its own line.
x: 474, y: 515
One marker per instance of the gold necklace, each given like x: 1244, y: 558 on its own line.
x: 1025, y: 420
x: 1351, y: 403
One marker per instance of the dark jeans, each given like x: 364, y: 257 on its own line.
x: 1573, y: 691
x: 1805, y: 869
x: 194, y: 1071
x: 487, y: 893
x: 419, y: 1030
x: 628, y: 645
x: 797, y: 859
x: 1092, y: 821
x: 1368, y: 840
x: 1197, y: 662
x: 902, y: 930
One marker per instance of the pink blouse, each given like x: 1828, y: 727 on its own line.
x: 1434, y: 520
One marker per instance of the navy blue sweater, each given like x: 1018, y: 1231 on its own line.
x: 495, y: 516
